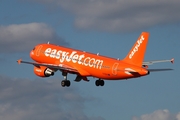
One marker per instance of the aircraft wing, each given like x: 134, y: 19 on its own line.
x: 52, y: 66
x: 157, y: 61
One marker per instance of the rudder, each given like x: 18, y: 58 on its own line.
x: 137, y: 52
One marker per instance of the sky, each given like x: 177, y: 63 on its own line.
x: 107, y: 27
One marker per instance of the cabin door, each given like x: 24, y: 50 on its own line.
x: 114, y: 68
x: 39, y: 50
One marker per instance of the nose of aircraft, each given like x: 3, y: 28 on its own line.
x: 32, y: 53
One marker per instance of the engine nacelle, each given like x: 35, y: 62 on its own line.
x: 43, y: 71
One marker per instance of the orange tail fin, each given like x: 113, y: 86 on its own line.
x: 137, y: 52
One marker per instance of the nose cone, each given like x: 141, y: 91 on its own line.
x: 32, y: 54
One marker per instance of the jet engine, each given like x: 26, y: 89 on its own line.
x: 43, y: 71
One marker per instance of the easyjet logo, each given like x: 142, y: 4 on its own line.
x: 73, y: 57
x: 136, y: 48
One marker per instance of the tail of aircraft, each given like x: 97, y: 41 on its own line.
x: 137, y: 52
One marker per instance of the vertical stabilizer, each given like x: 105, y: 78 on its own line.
x: 137, y: 52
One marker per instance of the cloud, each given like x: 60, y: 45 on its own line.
x: 23, y: 99
x: 119, y: 15
x: 159, y: 115
x: 23, y: 37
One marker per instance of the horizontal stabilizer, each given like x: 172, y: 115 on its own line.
x: 158, y: 61
x: 157, y: 70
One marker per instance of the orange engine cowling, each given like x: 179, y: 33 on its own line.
x: 43, y: 71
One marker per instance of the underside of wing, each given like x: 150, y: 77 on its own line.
x: 51, y: 66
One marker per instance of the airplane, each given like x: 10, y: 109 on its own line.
x: 50, y: 58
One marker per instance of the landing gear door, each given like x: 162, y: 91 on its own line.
x: 115, y: 68
x: 39, y: 50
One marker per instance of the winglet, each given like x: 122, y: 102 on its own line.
x: 172, y: 60
x: 19, y: 61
